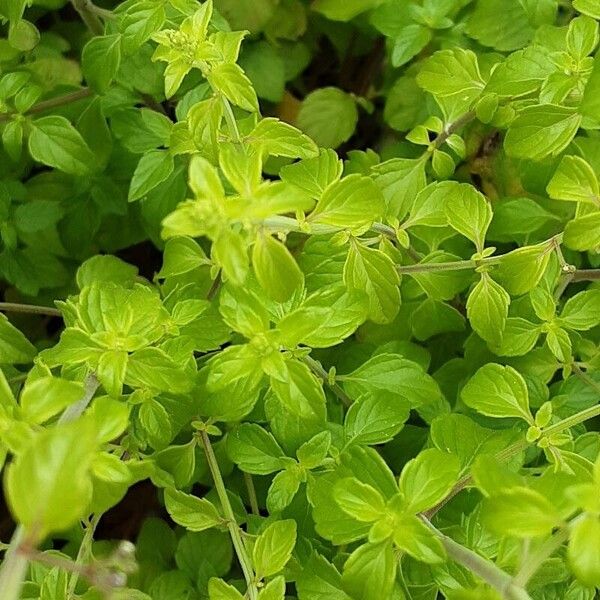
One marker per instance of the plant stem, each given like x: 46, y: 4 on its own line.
x: 234, y: 530
x: 83, y: 554
x: 501, y: 581
x: 29, y: 309
x: 452, y: 128
x: 466, y: 480
x: 231, y: 122
x: 580, y: 417
x: 457, y: 265
x: 89, y: 16
x: 546, y: 550
x: 322, y: 374
x: 14, y: 567
x: 73, y: 412
x: 52, y: 103
x: 586, y: 275
x: 251, y: 493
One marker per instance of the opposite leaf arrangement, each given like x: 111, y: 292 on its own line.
x: 361, y: 379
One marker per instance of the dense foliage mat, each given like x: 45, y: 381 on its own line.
x: 303, y: 299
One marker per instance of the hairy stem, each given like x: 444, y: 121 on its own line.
x: 73, y: 412
x: 231, y: 122
x: 322, y: 374
x: 234, y: 530
x: 580, y: 417
x: 452, y: 128
x: 89, y: 15
x: 537, y: 559
x: 251, y: 493
x: 13, y: 568
x: 29, y: 309
x: 485, y: 569
x: 466, y: 480
x: 586, y: 275
x: 85, y: 549
x: 52, y: 103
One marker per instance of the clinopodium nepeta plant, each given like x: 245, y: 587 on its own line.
x: 293, y: 372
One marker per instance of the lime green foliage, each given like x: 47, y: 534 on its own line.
x: 321, y: 278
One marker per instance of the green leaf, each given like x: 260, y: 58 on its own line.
x: 274, y: 590
x: 464, y: 438
x: 487, y: 309
x: 560, y: 345
x: 48, y: 486
x: 392, y: 374
x: 276, y: 138
x: 540, y: 131
x: 583, y: 233
x: 273, y: 548
x: 325, y: 319
x: 266, y: 70
x: 588, y: 7
x: 275, y: 268
x: 312, y: 453
x: 522, y: 269
x: 415, y: 538
x: 372, y: 271
x: 584, y: 549
x: 154, y: 368
x: 177, y: 461
x: 582, y: 37
x: 410, y: 41
x: 574, y: 180
x: 450, y: 73
x: 400, y: 180
x: 468, y: 211
x: 582, y: 311
x: 106, y: 268
x: 519, y: 338
x: 299, y: 390
x: 320, y: 580
x: 195, y: 514
x: 100, y: 60
x: 508, y: 25
x: 313, y: 175
x: 370, y: 572
x: 352, y: 203
x: 219, y: 590
x: 23, y: 35
x: 229, y: 250
x: 139, y: 22
x: 329, y: 116
x: 428, y: 478
x: 359, y: 500
x: 432, y: 317
x: 230, y: 80
x: 254, y: 450
x: 181, y: 255
x: 155, y: 423
x: 520, y: 512
x: 53, y: 141
x: 428, y: 206
x: 343, y: 10
x: 283, y: 488
x: 45, y: 397
x: 498, y: 391
x: 15, y: 348
x: 375, y: 419
x: 521, y: 73
x: 153, y: 168
x: 242, y: 309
